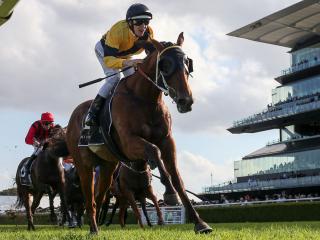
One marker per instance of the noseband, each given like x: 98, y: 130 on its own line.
x: 159, y: 76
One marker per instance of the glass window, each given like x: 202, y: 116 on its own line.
x: 298, y: 161
x: 298, y: 89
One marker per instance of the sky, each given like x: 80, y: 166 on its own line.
x: 47, y: 49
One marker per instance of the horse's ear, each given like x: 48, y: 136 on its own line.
x: 180, y: 39
x: 157, y: 45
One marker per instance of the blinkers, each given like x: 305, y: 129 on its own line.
x: 169, y: 62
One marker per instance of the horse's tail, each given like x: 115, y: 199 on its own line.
x: 19, y: 202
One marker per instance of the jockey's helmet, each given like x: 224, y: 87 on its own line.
x: 47, y: 117
x: 138, y: 11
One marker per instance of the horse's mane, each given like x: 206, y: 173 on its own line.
x: 149, y: 47
x: 57, y: 132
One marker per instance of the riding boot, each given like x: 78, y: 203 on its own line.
x: 29, y: 163
x: 93, y: 112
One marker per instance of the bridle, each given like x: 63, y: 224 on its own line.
x: 167, y: 90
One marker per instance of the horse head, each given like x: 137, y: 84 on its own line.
x: 172, y: 68
x: 56, y: 143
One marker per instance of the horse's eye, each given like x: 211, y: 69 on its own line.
x: 166, y: 66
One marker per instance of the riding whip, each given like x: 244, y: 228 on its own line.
x: 100, y: 79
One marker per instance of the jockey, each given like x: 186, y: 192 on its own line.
x: 37, y: 136
x: 115, y: 49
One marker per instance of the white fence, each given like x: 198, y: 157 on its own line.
x: 171, y: 215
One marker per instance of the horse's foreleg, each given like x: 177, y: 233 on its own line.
x: 122, y: 210
x: 144, y: 209
x: 153, y: 198
x: 169, y: 158
x: 79, y: 210
x: 170, y: 195
x: 66, y: 215
x: 104, y: 209
x: 130, y: 197
x: 114, y: 209
x: 53, y: 216
x: 87, y: 185
x: 137, y: 148
x: 27, y: 205
x: 104, y: 182
x: 36, y: 201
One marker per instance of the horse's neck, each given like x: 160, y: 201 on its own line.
x: 142, y: 87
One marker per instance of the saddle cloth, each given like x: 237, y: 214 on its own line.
x: 96, y: 137
x: 25, y: 175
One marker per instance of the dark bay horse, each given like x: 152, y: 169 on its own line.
x: 132, y: 182
x: 47, y: 176
x: 142, y: 125
x: 74, y: 197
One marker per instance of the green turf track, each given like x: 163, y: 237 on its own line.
x: 237, y: 231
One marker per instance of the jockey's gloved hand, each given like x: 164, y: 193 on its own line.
x: 132, y: 62
x: 36, y: 143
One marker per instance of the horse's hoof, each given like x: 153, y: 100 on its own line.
x: 160, y: 223
x: 171, y: 199
x: 93, y: 230
x: 71, y: 226
x: 202, y: 227
x: 53, y: 219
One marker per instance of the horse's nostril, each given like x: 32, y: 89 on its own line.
x: 185, y: 101
x: 181, y: 101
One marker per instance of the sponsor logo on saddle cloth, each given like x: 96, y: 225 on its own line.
x: 98, y: 138
x: 25, y: 176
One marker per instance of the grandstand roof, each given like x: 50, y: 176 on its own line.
x: 297, y: 145
x: 290, y: 27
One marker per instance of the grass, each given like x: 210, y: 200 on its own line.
x: 237, y: 231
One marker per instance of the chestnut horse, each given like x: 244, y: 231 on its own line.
x: 47, y: 176
x: 142, y: 125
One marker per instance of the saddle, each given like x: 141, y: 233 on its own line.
x: 99, y: 137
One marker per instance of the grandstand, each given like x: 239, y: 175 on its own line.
x: 289, y: 166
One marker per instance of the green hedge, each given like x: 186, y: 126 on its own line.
x: 21, y: 219
x: 44, y: 219
x: 271, y: 212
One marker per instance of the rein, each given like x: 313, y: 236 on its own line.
x: 135, y: 171
x: 167, y: 90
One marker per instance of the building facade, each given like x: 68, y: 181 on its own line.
x: 293, y: 161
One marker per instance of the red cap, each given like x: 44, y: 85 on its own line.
x: 47, y: 117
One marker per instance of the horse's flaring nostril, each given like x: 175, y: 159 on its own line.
x: 187, y: 101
